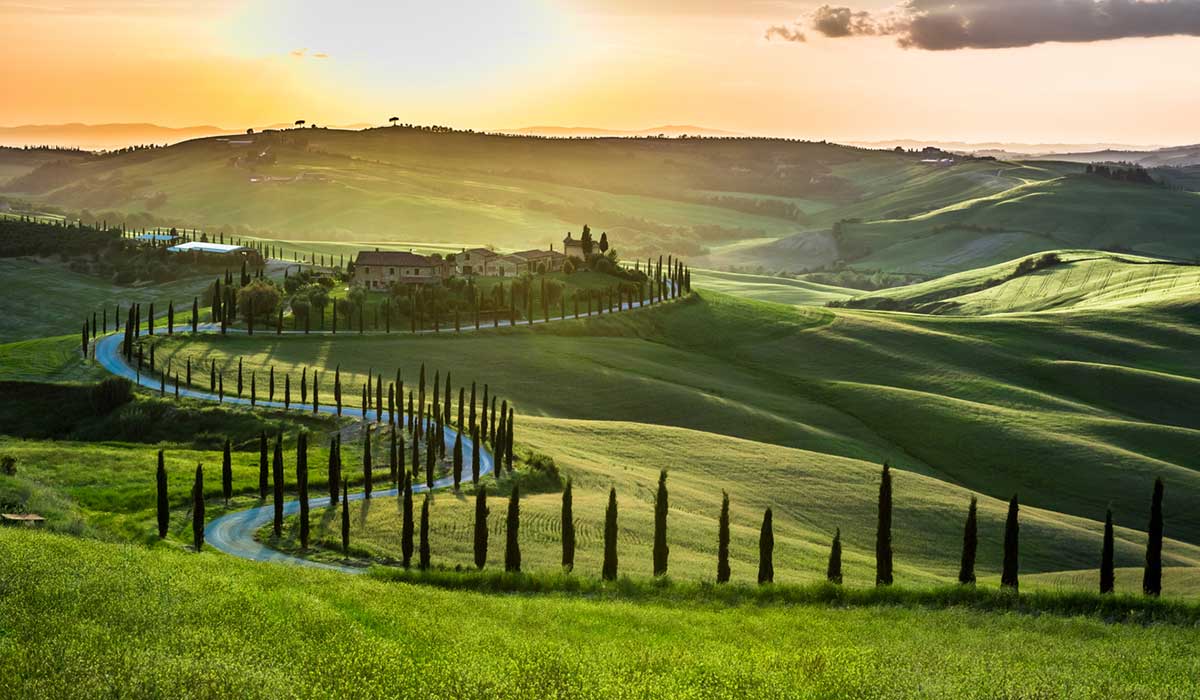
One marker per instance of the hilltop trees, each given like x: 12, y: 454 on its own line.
x: 883, y: 531
x: 1008, y: 575
x: 966, y: 568
x: 661, y: 550
x: 568, y: 528
x: 766, y: 550
x: 1152, y: 576
x: 609, y: 570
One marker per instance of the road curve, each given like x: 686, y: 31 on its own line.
x: 234, y: 533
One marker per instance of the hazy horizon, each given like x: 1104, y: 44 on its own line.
x: 1024, y: 72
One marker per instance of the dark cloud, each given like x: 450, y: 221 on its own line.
x: 941, y: 25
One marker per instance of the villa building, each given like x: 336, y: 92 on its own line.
x: 379, y: 269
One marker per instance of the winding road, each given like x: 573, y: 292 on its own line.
x: 234, y: 533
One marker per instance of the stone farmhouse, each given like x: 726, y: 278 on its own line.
x: 378, y: 269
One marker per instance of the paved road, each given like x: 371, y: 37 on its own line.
x: 234, y: 533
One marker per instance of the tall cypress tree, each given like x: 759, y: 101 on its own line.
x: 966, y: 568
x: 723, y: 540
x: 345, y: 518
x: 609, y: 570
x: 458, y: 457
x: 474, y: 454
x: 430, y: 456
x: 393, y: 461
x: 481, y: 529
x: 1107, y: 575
x: 195, y: 314
x: 277, y: 474
x: 164, y: 509
x: 766, y: 550
x: 406, y: 523
x: 198, y: 509
x: 883, y: 531
x: 661, y: 550
x: 335, y: 471
x: 568, y: 528
x: 302, y: 485
x: 424, y: 546
x: 226, y: 473
x: 239, y: 378
x: 512, y: 542
x: 1008, y: 574
x: 263, y: 478
x: 833, y: 572
x: 508, y: 442
x: 366, y: 461
x: 1152, y: 576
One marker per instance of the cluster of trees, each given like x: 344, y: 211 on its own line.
x: 1122, y: 172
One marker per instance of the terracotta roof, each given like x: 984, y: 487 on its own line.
x: 481, y: 251
x: 394, y: 258
x: 538, y: 254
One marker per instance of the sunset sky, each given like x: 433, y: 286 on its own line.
x: 1015, y: 70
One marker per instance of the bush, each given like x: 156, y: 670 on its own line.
x: 8, y: 465
x: 111, y: 394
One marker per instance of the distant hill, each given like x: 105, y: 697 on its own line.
x: 1005, y: 148
x: 586, y: 131
x: 106, y: 137
x: 1172, y: 156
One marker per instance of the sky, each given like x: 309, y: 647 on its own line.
x: 1035, y: 71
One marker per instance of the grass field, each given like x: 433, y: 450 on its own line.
x: 981, y: 403
x: 208, y: 626
x: 779, y: 290
x: 57, y: 300
x: 1085, y: 280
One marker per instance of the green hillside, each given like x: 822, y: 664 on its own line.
x: 780, y: 290
x: 1065, y: 280
x: 1007, y: 395
x: 167, y: 623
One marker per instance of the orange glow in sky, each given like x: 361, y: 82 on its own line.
x: 492, y: 65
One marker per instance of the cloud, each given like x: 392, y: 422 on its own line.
x: 779, y: 31
x: 320, y: 55
x: 298, y: 53
x: 942, y: 25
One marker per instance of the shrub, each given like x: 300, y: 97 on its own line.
x: 8, y: 465
x: 110, y: 394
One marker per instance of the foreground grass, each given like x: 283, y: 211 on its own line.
x: 170, y: 624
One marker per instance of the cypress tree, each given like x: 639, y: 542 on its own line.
x: 302, y: 485
x: 568, y: 528
x: 966, y: 569
x: 661, y: 550
x: 1152, y: 576
x: 766, y: 550
x: 239, y: 381
x: 481, y: 530
x: 471, y: 412
x: 316, y: 391
x: 271, y: 385
x: 1107, y: 575
x: 833, y: 572
x: 303, y: 385
x: 337, y: 388
x: 287, y: 391
x: 277, y: 473
x: 883, y: 531
x: 458, y: 458
x: 366, y: 461
x: 335, y: 470
x: 474, y: 454
x: 609, y: 570
x: 263, y: 478
x: 378, y: 398
x: 164, y: 510
x: 198, y: 509
x: 345, y: 518
x: 483, y: 420
x: 424, y: 546
x: 512, y: 544
x: 392, y: 457
x: 430, y: 455
x: 723, y: 540
x: 508, y: 442
x: 253, y: 387
x: 406, y: 522
x: 226, y: 473
x: 1008, y: 575
x: 170, y: 318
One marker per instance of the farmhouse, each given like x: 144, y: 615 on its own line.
x: 378, y: 269
x: 573, y: 247
x: 537, y: 261
x: 474, y: 261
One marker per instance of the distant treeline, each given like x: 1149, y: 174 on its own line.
x: 1122, y: 172
x: 21, y: 237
